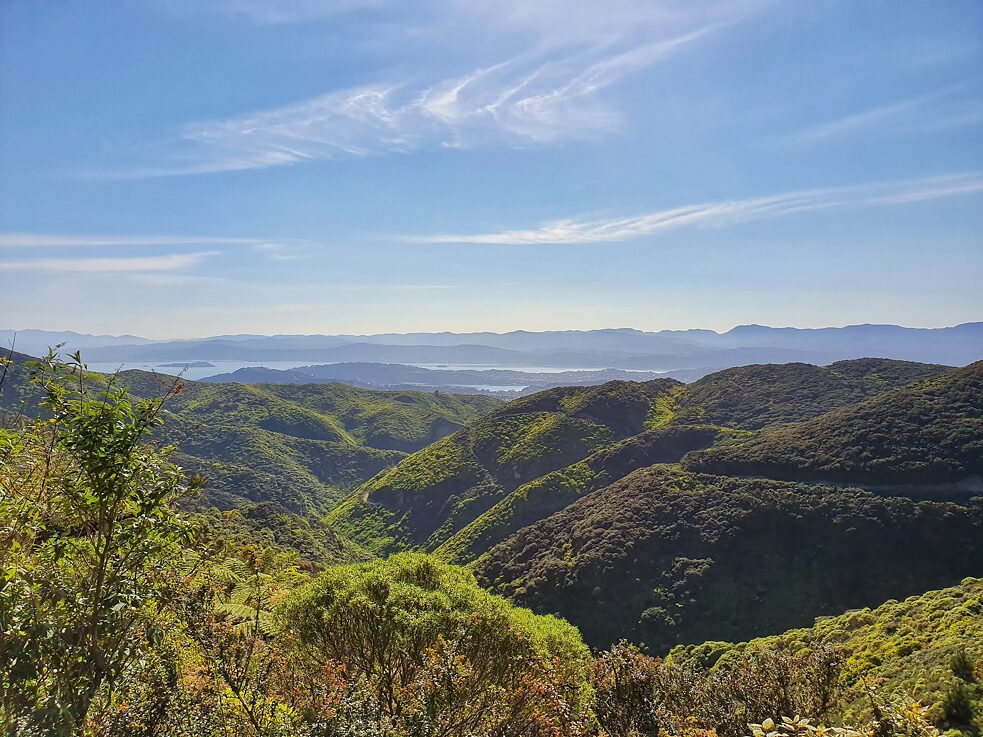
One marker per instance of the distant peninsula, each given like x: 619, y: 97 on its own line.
x: 187, y: 364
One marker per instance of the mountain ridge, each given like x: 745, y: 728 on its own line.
x: 604, y: 348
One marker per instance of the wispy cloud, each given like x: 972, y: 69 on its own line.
x: 728, y: 212
x: 511, y: 103
x: 555, y: 91
x: 48, y: 240
x: 291, y: 11
x: 165, y: 279
x: 276, y: 251
x: 923, y: 112
x: 125, y: 265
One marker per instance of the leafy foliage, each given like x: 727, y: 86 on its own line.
x: 669, y: 557
x: 434, y: 649
x: 118, y: 617
x: 267, y: 525
x: 638, y: 695
x: 925, y: 435
x: 86, y: 533
x: 929, y: 646
x: 753, y: 397
x: 300, y: 447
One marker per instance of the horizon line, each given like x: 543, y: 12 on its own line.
x: 16, y: 331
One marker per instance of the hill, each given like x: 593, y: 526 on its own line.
x: 667, y: 557
x: 535, y: 456
x: 300, y: 446
x: 441, y: 489
x: 554, y: 491
x: 502, y: 383
x: 906, y: 646
x: 927, y: 435
x: 612, y: 348
x: 752, y: 397
x: 270, y: 525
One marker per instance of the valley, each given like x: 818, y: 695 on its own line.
x: 767, y: 505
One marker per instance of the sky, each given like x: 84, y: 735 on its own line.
x: 182, y: 168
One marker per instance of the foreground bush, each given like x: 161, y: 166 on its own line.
x: 87, y: 536
x: 437, y: 654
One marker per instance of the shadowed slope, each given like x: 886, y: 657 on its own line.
x: 666, y: 557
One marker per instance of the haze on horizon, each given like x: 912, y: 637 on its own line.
x: 171, y: 168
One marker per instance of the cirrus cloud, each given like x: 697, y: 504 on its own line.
x: 722, y: 213
x: 108, y: 265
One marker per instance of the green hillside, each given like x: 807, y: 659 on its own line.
x: 929, y: 434
x: 904, y: 646
x: 440, y: 490
x: 218, y: 618
x: 667, y: 557
x: 302, y: 447
x: 556, y: 490
x: 268, y: 525
x: 753, y: 397
x: 306, y: 446
x: 538, y: 454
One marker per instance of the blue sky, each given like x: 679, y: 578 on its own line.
x: 178, y: 168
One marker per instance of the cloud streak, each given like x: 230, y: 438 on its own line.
x: 108, y: 265
x: 511, y: 103
x: 48, y: 240
x: 924, y: 112
x: 554, y: 92
x: 719, y: 214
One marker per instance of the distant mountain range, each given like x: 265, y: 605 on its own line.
x: 622, y: 348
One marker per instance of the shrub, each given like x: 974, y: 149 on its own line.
x: 436, y: 653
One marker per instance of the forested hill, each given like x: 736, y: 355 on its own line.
x: 929, y: 434
x: 665, y: 557
x: 443, y: 488
x: 535, y: 456
x: 752, y: 397
x: 574, y: 502
x: 302, y: 447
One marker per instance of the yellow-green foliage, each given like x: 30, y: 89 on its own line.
x: 424, y: 469
x: 304, y: 447
x: 530, y: 450
x: 927, y: 434
x: 240, y: 404
x: 664, y: 409
x: 753, y: 397
x: 428, y: 597
x: 550, y: 434
x: 399, y: 420
x: 899, y: 646
x: 373, y: 526
x: 554, y: 491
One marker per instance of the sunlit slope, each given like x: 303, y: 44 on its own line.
x: 556, y: 490
x: 929, y: 434
x: 441, y: 489
x: 536, y: 455
x: 302, y: 447
x: 753, y: 397
x: 905, y: 646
